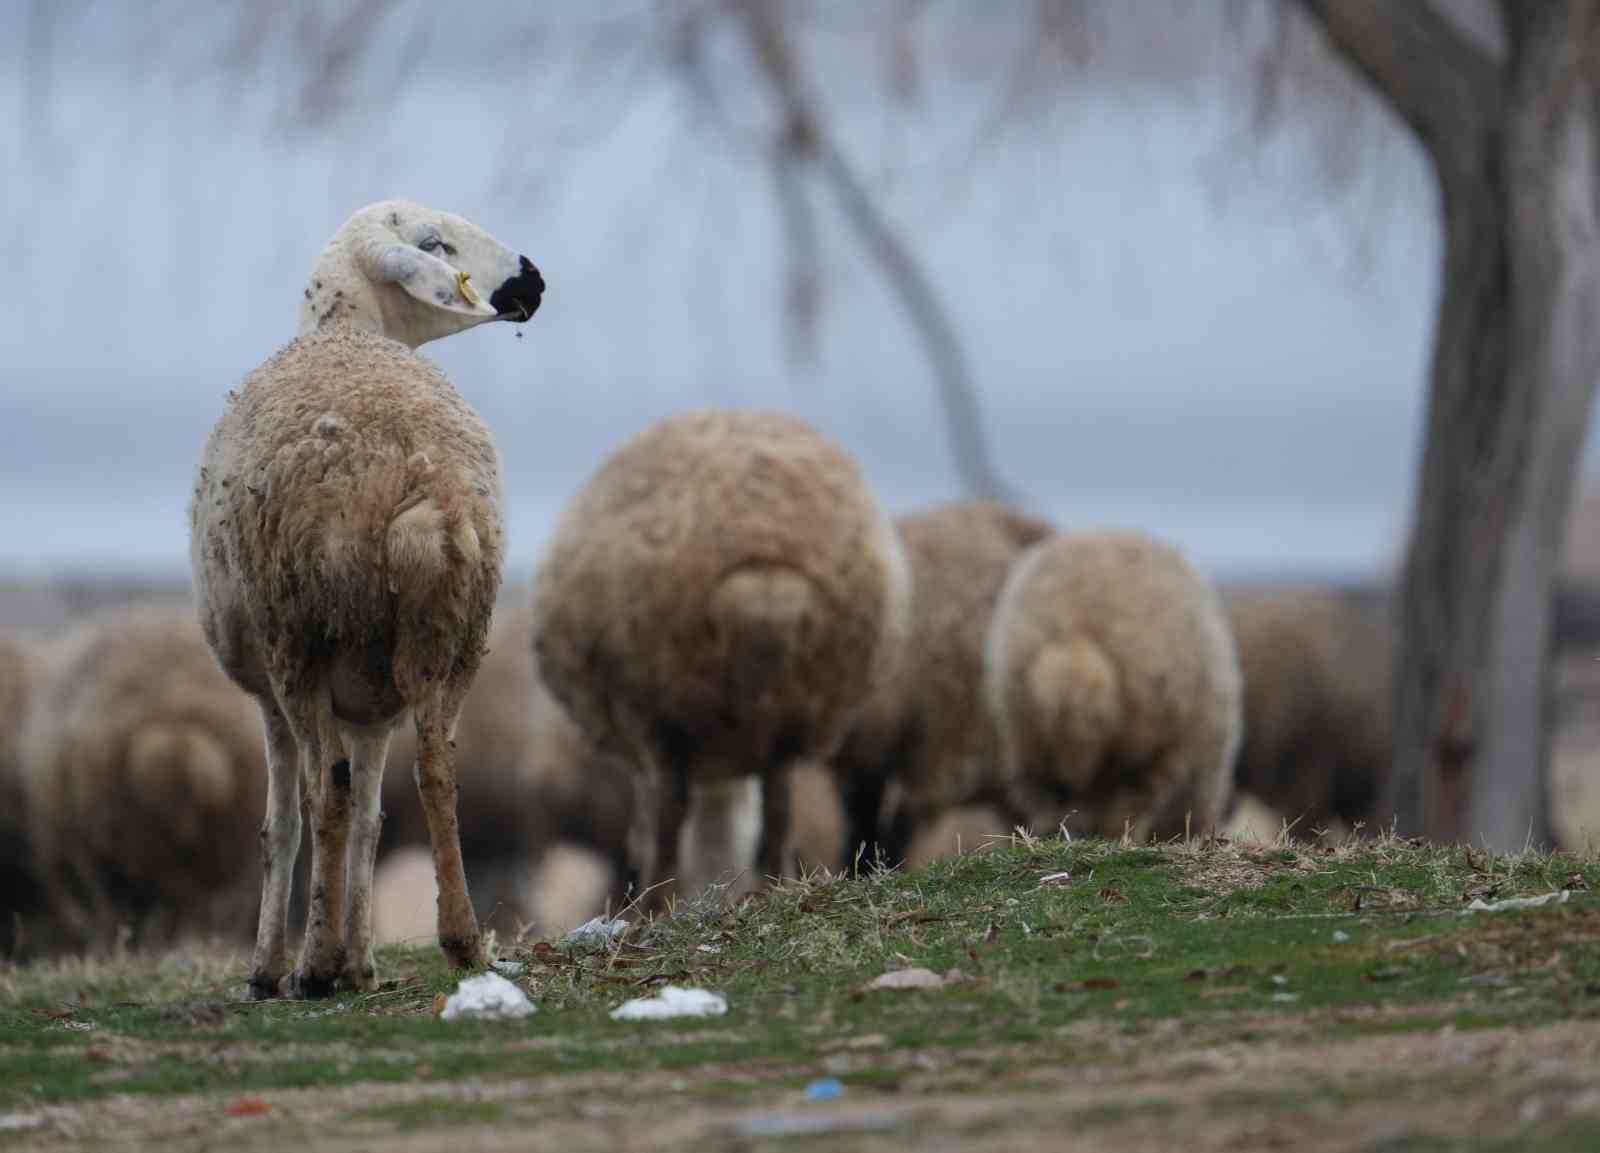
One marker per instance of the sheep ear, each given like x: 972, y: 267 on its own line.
x: 430, y: 280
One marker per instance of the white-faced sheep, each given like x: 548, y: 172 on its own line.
x: 1115, y: 686
x: 928, y: 728
x: 346, y: 544
x: 144, y: 781
x: 23, y: 899
x: 528, y: 778
x: 717, y: 602
x: 1316, y: 744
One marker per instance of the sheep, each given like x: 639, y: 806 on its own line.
x: 143, y: 777
x: 1113, y: 680
x: 928, y: 729
x: 345, y: 542
x: 528, y: 776
x: 716, y: 602
x: 20, y: 672
x: 1317, y: 731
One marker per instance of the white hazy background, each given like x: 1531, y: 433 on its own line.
x: 1165, y: 333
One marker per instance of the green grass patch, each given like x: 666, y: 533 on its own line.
x: 1049, y: 937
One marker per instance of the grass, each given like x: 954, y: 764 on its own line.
x: 1062, y: 950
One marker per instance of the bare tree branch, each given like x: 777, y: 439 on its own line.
x: 1444, y: 86
x: 806, y: 139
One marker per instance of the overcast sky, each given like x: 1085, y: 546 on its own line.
x: 1161, y: 340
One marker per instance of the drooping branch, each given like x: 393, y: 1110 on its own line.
x: 806, y: 140
x: 1446, y: 88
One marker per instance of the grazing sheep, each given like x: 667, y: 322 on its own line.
x: 1316, y: 743
x: 144, y: 781
x: 1115, y: 686
x: 716, y: 603
x: 23, y: 897
x: 528, y: 778
x: 346, y: 548
x: 928, y: 728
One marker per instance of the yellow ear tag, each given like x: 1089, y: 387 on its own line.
x: 468, y: 293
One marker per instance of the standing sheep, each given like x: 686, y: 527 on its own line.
x: 144, y: 779
x: 928, y: 728
x: 1316, y: 744
x: 1113, y: 680
x: 346, y: 547
x: 717, y: 602
x: 23, y: 899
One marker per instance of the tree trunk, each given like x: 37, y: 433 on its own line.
x: 1514, y: 366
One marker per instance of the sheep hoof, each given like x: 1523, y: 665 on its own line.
x: 263, y: 987
x: 359, y: 978
x: 310, y: 986
x: 463, y: 952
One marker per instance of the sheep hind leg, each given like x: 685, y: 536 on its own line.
x: 436, y: 785
x: 329, y: 783
x: 772, y: 858
x: 671, y: 793
x: 368, y: 754
x: 280, y: 846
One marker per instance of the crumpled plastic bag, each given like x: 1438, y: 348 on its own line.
x: 1479, y: 905
x: 672, y: 1001
x: 487, y: 997
x: 596, y: 931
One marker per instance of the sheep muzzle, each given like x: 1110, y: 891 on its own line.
x: 518, y: 298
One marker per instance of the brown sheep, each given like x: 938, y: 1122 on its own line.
x: 1317, y: 734
x: 23, y: 900
x: 717, y: 602
x: 928, y: 728
x: 144, y: 781
x: 346, y: 547
x: 1115, y: 686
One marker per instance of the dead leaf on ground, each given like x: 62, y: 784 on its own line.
x: 247, y: 1107
x: 1112, y: 896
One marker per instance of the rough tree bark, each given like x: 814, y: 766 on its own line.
x: 1516, y: 353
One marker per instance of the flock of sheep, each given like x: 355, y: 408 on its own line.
x: 733, y: 664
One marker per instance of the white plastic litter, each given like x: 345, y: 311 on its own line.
x: 597, y: 930
x: 508, y: 968
x: 487, y: 997
x: 1340, y: 936
x: 1479, y: 905
x: 672, y: 1001
x: 908, y: 979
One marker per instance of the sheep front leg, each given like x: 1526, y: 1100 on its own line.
x: 322, y: 954
x: 775, y: 806
x: 436, y: 785
x: 368, y: 754
x: 280, y: 845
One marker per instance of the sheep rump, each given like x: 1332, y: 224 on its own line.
x: 1113, y: 680
x: 347, y: 512
x: 717, y: 601
x: 145, y: 782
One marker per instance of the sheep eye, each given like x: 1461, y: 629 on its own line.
x: 433, y: 244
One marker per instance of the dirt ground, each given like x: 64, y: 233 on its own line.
x: 1277, y: 1084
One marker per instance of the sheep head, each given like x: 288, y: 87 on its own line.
x: 416, y: 274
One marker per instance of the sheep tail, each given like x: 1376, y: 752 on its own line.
x: 172, y: 759
x: 1075, y: 690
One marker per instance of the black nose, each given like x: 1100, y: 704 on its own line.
x: 518, y: 298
